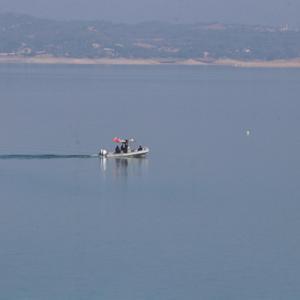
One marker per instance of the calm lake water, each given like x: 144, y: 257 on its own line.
x: 212, y: 213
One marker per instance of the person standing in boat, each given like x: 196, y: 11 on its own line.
x: 123, y: 147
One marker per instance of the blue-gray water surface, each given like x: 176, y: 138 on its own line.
x: 212, y: 213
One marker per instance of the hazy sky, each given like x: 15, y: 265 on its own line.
x: 273, y: 12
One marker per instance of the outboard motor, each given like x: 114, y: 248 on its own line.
x: 103, y: 152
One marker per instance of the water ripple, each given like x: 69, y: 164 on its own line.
x: 47, y: 156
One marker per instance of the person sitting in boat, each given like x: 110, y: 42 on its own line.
x: 140, y: 148
x: 117, y: 150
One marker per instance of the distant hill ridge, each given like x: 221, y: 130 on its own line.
x: 26, y: 36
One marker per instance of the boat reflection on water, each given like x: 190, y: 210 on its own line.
x: 124, y: 167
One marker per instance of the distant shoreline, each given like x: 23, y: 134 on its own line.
x: 289, y: 63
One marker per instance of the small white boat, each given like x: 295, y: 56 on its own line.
x: 125, y: 151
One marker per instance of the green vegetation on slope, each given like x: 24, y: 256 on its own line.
x: 29, y: 36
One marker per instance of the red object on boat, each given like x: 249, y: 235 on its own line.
x: 118, y: 140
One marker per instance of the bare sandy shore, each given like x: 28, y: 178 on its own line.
x: 292, y: 63
x: 280, y: 63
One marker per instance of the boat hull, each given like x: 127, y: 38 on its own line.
x: 133, y: 153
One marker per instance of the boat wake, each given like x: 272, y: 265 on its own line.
x: 47, y: 156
